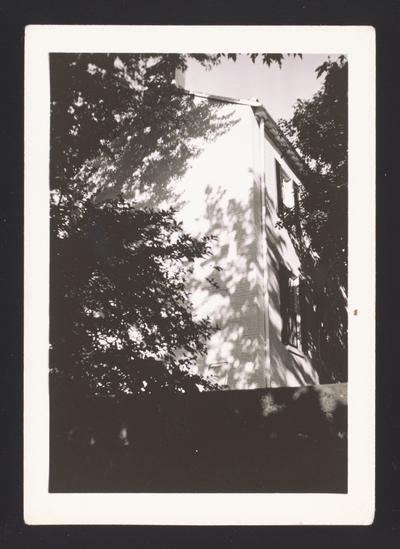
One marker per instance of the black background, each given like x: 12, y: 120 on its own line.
x: 385, y: 17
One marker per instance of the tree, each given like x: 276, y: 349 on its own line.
x: 121, y: 315
x: 119, y: 124
x: 121, y: 320
x: 318, y: 129
x: 121, y: 132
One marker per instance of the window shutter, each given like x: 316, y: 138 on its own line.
x: 279, y: 186
x: 284, y: 298
x: 304, y: 313
x: 297, y: 209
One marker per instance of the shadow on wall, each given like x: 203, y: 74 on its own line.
x: 236, y: 302
x: 287, y: 367
x: 236, y: 350
x: 323, y: 329
x: 173, y: 132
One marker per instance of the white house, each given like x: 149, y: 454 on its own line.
x: 235, y: 190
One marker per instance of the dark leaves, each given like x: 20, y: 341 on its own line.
x: 121, y: 319
x: 318, y: 130
x: 119, y: 296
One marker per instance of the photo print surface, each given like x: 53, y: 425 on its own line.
x: 198, y: 281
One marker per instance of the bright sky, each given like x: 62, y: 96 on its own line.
x: 277, y: 89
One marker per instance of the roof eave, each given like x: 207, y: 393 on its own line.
x: 275, y: 133
x: 271, y: 127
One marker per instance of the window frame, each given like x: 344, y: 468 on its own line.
x: 281, y: 177
x: 290, y: 308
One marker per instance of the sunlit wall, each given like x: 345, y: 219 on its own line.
x: 220, y: 195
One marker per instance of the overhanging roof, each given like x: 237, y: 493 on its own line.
x: 272, y: 130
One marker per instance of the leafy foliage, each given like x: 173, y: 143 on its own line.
x: 119, y: 124
x: 266, y: 58
x: 318, y: 129
x: 120, y: 303
x: 121, y: 320
x: 121, y: 133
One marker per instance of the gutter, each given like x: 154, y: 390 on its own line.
x: 271, y: 128
x: 275, y: 133
x: 264, y: 247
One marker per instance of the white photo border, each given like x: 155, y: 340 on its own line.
x: 354, y: 508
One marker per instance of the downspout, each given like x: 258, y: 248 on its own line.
x: 265, y: 292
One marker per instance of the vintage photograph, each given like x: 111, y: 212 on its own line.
x: 198, y: 272
x: 199, y: 275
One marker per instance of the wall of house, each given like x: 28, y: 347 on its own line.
x: 288, y: 366
x: 220, y: 195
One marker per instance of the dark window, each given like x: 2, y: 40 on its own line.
x: 287, y: 196
x: 290, y: 307
x: 305, y: 308
x: 297, y: 225
x: 279, y: 186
